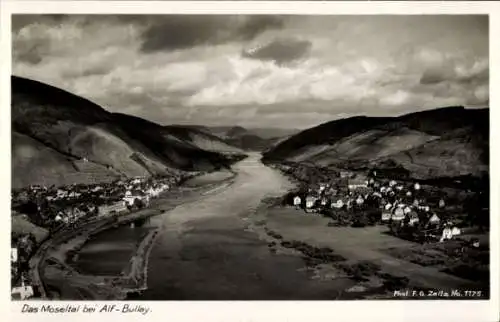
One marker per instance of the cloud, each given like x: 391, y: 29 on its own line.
x: 70, y: 38
x: 301, y: 70
x: 358, y: 82
x: 182, y: 32
x: 281, y: 51
x: 454, y: 68
x: 21, y: 20
x: 32, y: 42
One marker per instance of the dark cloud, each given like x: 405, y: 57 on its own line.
x: 432, y: 76
x: 479, y: 77
x: 379, y: 65
x: 182, y: 32
x: 280, y: 50
x: 478, y: 73
x: 29, y: 50
x: 31, y: 54
x: 85, y: 72
x: 21, y: 20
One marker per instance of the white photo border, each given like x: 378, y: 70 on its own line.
x: 218, y: 311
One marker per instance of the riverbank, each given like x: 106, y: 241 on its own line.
x: 63, y: 281
x: 211, y: 252
x: 364, y: 256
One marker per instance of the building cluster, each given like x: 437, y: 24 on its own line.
x: 54, y: 208
x: 411, y: 210
x: 22, y: 247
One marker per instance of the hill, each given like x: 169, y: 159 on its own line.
x: 20, y: 225
x: 61, y: 138
x: 201, y: 138
x: 445, y: 142
x: 254, y: 139
x: 273, y: 133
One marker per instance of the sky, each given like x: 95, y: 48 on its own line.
x: 258, y: 71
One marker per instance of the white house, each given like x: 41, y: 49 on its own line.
x: 455, y: 231
x: 386, y: 216
x: 153, y: 192
x: 357, y: 183
x: 434, y: 219
x: 13, y: 254
x: 297, y: 201
x: 345, y: 174
x: 398, y: 214
x: 310, y: 202
x: 339, y: 204
x: 447, y: 234
x: 74, y: 194
x: 22, y: 292
x: 413, y: 219
x: 116, y: 207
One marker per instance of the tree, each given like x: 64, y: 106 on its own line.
x: 138, y: 203
x: 29, y: 208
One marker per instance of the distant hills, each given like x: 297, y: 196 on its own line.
x: 255, y: 139
x: 60, y: 138
x: 444, y: 142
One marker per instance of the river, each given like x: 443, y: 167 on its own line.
x: 206, y: 249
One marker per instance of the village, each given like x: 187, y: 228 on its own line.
x: 57, y: 208
x: 411, y: 210
x: 443, y: 227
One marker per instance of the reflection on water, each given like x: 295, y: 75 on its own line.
x: 218, y: 259
x: 109, y: 252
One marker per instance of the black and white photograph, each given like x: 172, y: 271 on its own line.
x: 249, y: 157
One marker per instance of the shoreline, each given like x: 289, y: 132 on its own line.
x: 137, y: 268
x: 144, y: 249
x: 373, y: 277
x: 110, y: 287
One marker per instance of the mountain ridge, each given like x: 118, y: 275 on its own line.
x: 419, y: 142
x: 62, y: 128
